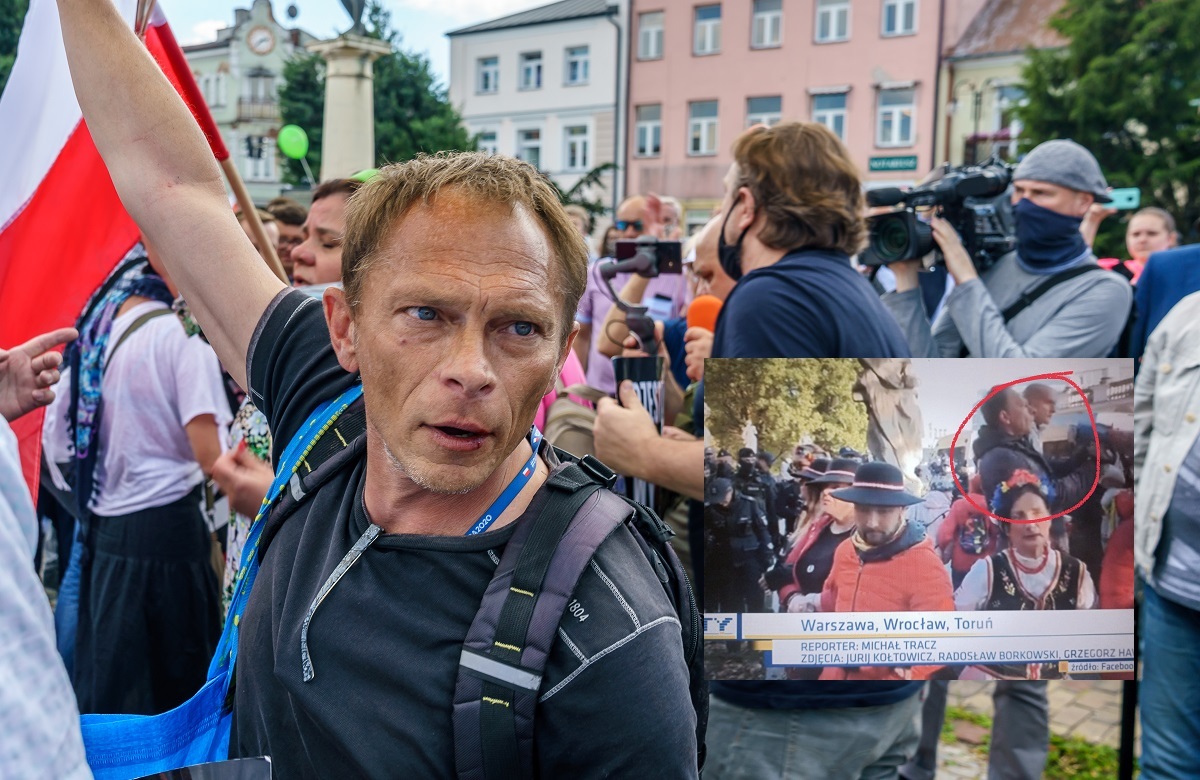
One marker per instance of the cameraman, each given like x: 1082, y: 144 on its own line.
x: 1076, y: 308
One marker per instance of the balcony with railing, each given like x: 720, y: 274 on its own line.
x: 255, y: 109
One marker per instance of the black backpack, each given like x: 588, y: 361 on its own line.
x: 496, y: 692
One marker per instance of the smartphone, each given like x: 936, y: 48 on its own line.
x: 1123, y: 199
x: 668, y: 255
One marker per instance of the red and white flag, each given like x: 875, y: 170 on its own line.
x: 62, y: 226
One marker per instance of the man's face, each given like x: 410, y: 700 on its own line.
x: 458, y: 335
x: 712, y: 278
x: 290, y: 237
x: 1061, y: 200
x: 670, y: 218
x: 1042, y: 407
x: 1016, y: 417
x: 318, y: 259
x: 632, y: 215
x: 878, y: 524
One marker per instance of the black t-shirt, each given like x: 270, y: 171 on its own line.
x: 385, y: 642
x: 812, y: 569
x: 811, y: 303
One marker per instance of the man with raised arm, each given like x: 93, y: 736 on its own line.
x: 461, y: 277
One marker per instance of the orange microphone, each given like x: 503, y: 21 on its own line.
x: 703, y: 312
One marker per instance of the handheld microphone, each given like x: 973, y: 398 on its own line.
x: 703, y: 312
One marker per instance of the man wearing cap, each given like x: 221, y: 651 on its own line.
x: 737, y: 549
x: 1081, y: 315
x: 753, y: 483
x: 887, y: 566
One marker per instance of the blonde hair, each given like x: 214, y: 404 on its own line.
x: 379, y: 205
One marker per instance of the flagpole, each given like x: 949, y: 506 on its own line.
x: 199, y: 108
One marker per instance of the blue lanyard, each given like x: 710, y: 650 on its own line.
x: 516, y: 486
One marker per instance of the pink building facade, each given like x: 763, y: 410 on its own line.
x: 702, y: 71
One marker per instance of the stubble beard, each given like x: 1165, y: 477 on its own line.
x: 424, y: 481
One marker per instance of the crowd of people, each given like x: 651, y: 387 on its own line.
x: 463, y: 300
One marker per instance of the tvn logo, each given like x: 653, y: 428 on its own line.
x: 721, y: 625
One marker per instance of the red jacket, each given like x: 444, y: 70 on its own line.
x: 913, y: 579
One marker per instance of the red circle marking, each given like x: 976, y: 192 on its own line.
x: 1095, y: 434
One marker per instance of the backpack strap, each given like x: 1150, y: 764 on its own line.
x: 506, y: 650
x: 139, y: 322
x: 1027, y: 298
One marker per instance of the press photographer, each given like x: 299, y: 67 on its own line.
x: 1047, y: 298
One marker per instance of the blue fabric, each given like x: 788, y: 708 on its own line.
x: 86, y: 357
x: 1169, y: 695
x: 1168, y: 278
x: 673, y: 331
x: 1047, y: 242
x: 128, y: 746
x: 66, y: 609
x: 810, y: 304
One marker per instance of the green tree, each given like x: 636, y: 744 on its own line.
x: 12, y: 16
x: 582, y: 192
x: 412, y: 111
x: 787, y: 400
x: 1126, y: 87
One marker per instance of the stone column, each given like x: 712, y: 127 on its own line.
x: 348, y: 136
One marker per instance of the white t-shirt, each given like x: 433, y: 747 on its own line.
x: 157, y: 383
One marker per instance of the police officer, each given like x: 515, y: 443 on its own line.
x: 737, y: 549
x: 749, y: 481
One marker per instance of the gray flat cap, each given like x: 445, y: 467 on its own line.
x: 1067, y: 164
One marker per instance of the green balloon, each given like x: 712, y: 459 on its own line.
x: 293, y: 141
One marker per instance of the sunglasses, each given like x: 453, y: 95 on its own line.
x: 624, y: 225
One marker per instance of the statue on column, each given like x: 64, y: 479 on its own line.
x: 887, y: 387
x: 355, y: 8
x: 750, y: 436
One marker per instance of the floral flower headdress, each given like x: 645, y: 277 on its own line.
x: 1020, y: 478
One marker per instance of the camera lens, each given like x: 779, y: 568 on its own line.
x: 891, y: 240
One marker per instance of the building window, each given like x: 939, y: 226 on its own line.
x: 487, y: 142
x: 707, y: 39
x: 896, y: 108
x: 763, y: 111
x: 260, y: 86
x: 648, y: 131
x: 206, y: 89
x: 259, y: 158
x: 529, y: 147
x: 531, y: 70
x: 830, y: 110
x: 577, y: 148
x: 650, y: 36
x: 489, y: 74
x: 220, y: 96
x: 702, y: 127
x: 766, y: 27
x: 899, y: 17
x: 577, y: 65
x: 833, y: 20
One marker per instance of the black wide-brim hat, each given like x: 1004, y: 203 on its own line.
x: 840, y: 472
x: 815, y: 469
x: 878, y: 484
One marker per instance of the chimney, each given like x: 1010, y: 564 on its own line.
x: 240, y: 16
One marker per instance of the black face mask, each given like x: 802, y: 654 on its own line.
x: 746, y: 468
x: 730, y: 256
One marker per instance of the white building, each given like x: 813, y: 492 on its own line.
x: 240, y: 75
x: 542, y: 85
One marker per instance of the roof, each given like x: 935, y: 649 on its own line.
x: 1009, y: 27
x: 561, y: 11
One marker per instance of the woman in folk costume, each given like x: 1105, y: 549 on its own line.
x: 143, y: 406
x: 1030, y: 574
